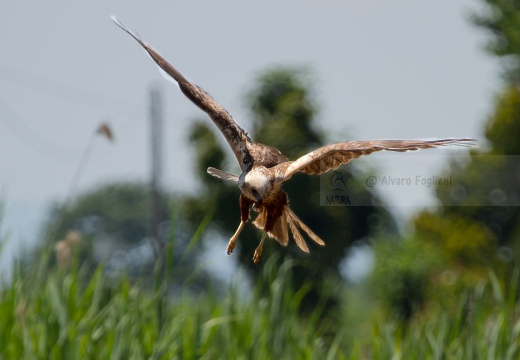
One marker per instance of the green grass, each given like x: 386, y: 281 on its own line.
x: 485, y: 324
x: 72, y: 314
x: 52, y: 315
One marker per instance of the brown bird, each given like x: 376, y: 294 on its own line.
x: 265, y: 169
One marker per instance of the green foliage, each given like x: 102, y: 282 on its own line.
x: 283, y: 109
x: 503, y: 127
x: 209, y: 152
x: 61, y: 318
x: 501, y: 18
x: 215, y: 193
x: 485, y: 325
x: 68, y: 314
x: 109, y: 225
x: 400, y: 276
x: 479, y: 218
x: 475, y: 229
x: 462, y: 240
x: 118, y: 210
x: 477, y: 224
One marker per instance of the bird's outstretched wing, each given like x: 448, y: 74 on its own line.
x: 334, y: 155
x: 236, y: 136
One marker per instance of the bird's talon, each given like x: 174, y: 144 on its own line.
x: 257, y: 255
x: 231, y: 246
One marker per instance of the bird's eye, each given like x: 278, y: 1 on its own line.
x: 255, y: 193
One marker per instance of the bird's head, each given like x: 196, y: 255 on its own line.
x: 256, y: 184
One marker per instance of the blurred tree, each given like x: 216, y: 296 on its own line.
x: 478, y: 222
x: 479, y: 225
x: 503, y: 126
x: 401, y: 273
x: 501, y: 18
x: 117, y: 210
x: 488, y: 186
x: 111, y: 221
x: 283, y: 111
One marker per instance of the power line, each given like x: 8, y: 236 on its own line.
x: 72, y: 94
x: 34, y: 140
x: 64, y: 91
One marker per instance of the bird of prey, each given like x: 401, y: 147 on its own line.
x: 265, y: 169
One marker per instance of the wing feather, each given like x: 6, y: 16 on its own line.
x: 236, y: 136
x: 221, y: 174
x: 331, y: 156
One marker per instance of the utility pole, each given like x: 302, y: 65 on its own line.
x: 155, y: 214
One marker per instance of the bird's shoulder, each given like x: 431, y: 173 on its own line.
x: 266, y: 155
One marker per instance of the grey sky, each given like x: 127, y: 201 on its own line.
x: 400, y: 69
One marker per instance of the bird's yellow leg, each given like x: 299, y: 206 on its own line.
x: 233, y: 241
x: 258, y: 251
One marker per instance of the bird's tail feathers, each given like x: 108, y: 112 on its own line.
x: 298, y: 238
x: 280, y: 229
x: 304, y: 227
x: 280, y: 232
